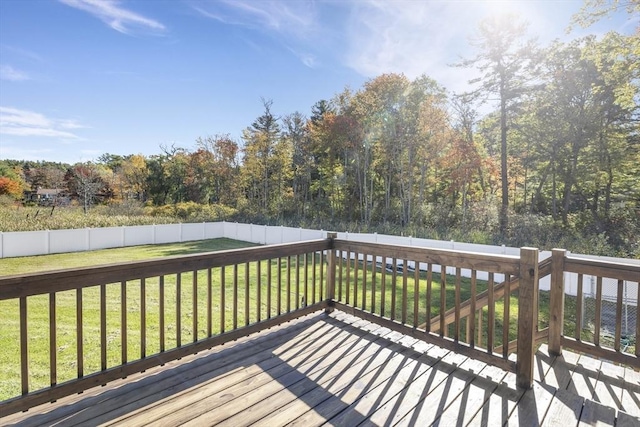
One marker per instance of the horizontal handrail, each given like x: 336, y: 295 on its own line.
x: 75, y: 278
x: 506, y: 264
x: 617, y: 270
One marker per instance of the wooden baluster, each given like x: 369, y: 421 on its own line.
x: 491, y: 313
x: 383, y: 286
x: 279, y: 294
x: 288, y: 284
x: 374, y: 267
x: 246, y: 295
x: 223, y: 308
x: 480, y: 329
x: 616, y: 343
x: 297, y: 282
x: 162, y: 312
x: 579, y: 309
x: 443, y: 300
x: 429, y: 296
x: 394, y: 284
x: 178, y: 310
x: 259, y: 291
x: 24, y: 346
x: 269, y: 275
x: 471, y: 320
x: 103, y: 327
x: 579, y: 295
x: 355, y: 279
x: 340, y: 266
x: 348, y: 273
x: 416, y: 292
x: 235, y: 296
x: 364, y: 281
x: 321, y: 283
x: 598, y: 316
x: 123, y: 322
x: 313, y: 278
x: 194, y: 308
x: 506, y: 319
x: 405, y: 273
x: 79, y: 334
x: 209, y: 303
x: 306, y: 279
x: 143, y: 318
x: 53, y: 348
x: 456, y: 334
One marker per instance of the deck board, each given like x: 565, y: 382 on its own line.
x: 343, y: 371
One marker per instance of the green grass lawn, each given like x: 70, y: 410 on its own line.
x: 24, y: 265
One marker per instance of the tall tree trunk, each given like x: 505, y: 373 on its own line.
x: 504, y: 208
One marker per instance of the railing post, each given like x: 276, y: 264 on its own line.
x: 527, y: 307
x: 330, y: 289
x: 556, y: 302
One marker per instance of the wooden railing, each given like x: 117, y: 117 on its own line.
x: 590, y: 340
x: 112, y: 321
x: 419, y: 292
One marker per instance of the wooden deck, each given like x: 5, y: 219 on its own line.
x: 339, y: 370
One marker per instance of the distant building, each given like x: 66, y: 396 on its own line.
x: 50, y: 197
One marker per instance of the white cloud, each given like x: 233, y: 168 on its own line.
x: 295, y: 24
x: 7, y: 72
x: 118, y: 18
x: 14, y: 121
x: 297, y: 18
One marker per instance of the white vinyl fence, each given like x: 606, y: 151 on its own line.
x: 31, y: 243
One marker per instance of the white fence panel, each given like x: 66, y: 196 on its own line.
x: 139, y: 235
x: 243, y: 232
x: 213, y: 230
x: 273, y: 236
x: 167, y: 233
x: 192, y: 231
x: 25, y: 243
x: 105, y: 238
x: 61, y: 241
x: 392, y: 240
x: 290, y: 234
x: 306, y: 234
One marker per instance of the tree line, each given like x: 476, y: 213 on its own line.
x: 558, y: 145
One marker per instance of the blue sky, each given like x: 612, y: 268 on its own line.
x: 79, y: 78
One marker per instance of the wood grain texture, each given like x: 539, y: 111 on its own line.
x: 339, y: 369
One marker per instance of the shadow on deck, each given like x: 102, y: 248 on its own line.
x: 342, y: 370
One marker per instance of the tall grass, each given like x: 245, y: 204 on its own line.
x: 33, y: 218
